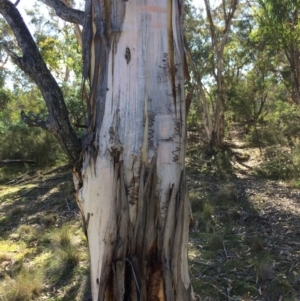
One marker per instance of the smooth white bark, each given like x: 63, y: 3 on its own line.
x: 134, y: 197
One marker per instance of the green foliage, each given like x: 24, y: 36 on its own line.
x: 264, y: 136
x: 277, y: 19
x: 17, y: 140
x: 4, y: 98
x: 61, y: 51
x: 280, y: 126
x: 20, y: 142
x: 280, y: 163
x: 193, y: 119
x: 5, y: 94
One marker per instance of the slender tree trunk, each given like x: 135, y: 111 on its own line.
x: 217, y: 130
x: 132, y: 187
x: 295, y: 73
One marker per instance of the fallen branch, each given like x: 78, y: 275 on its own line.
x: 11, y: 161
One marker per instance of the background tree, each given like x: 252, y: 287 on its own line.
x: 218, y: 22
x: 278, y: 28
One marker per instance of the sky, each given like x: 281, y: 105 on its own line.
x: 197, y: 3
x: 28, y: 4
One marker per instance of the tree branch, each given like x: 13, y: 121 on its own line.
x: 66, y: 13
x: 224, y: 9
x: 34, y: 120
x: 211, y: 23
x: 10, y: 161
x: 33, y: 65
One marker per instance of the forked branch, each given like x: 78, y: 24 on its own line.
x: 34, y: 66
x: 66, y: 13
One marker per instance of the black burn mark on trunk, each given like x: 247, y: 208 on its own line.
x: 109, y: 291
x: 154, y: 272
x: 127, y: 281
x: 171, y: 51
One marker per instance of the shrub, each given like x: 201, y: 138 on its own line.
x: 279, y: 164
x: 28, y: 143
x: 265, y: 136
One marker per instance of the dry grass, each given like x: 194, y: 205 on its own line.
x: 257, y: 245
x: 208, y: 211
x: 5, y: 257
x: 227, y: 193
x: 27, y: 285
x: 197, y: 204
x: 43, y: 254
x: 66, y: 253
x: 27, y: 233
x: 264, y: 272
x: 216, y: 242
x: 16, y: 211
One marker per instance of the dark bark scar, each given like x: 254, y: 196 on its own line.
x: 127, y: 55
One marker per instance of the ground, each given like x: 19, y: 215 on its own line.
x: 245, y: 235
x: 244, y: 232
x: 43, y: 250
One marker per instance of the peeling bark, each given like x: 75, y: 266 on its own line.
x: 130, y: 180
x: 134, y: 198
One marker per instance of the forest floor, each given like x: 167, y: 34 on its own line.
x: 244, y: 238
x: 43, y: 250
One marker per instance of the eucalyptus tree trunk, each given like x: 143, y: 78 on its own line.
x: 294, y: 61
x: 132, y: 187
x: 216, y: 130
x: 129, y: 170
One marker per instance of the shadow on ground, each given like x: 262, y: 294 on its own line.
x: 244, y: 239
x: 33, y: 209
